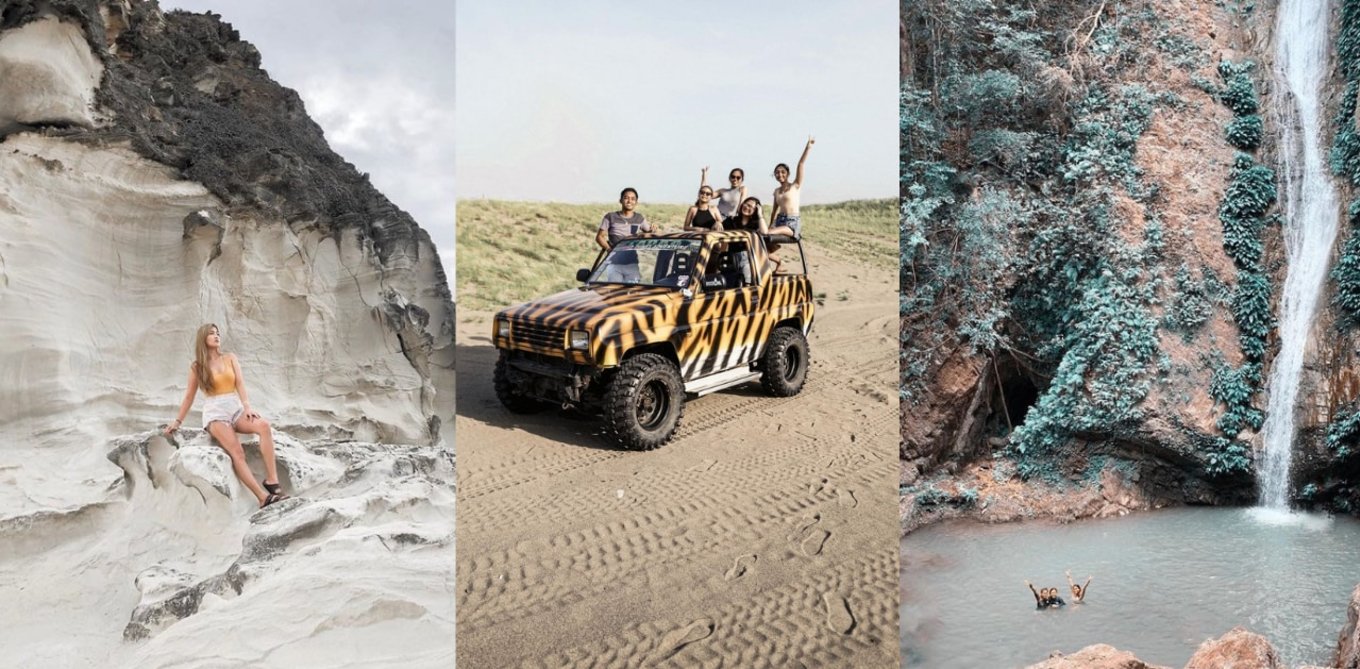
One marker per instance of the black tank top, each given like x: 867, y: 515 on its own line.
x: 703, y: 218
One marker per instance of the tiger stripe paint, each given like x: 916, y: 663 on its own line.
x: 709, y: 331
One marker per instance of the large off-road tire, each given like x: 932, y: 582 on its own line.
x: 644, y: 401
x: 508, y: 394
x: 784, y: 366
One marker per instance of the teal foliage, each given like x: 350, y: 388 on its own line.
x: 1190, y: 307
x: 1346, y: 274
x: 1244, y: 132
x: 1345, y: 162
x: 1251, y: 310
x: 1102, y: 375
x: 1239, y: 92
x: 1010, y: 230
x: 1343, y: 434
x: 1221, y: 456
x: 1348, y: 41
x: 1243, y: 212
x: 1345, y: 153
x: 1226, y: 457
x: 1005, y: 148
x: 1106, y: 134
x: 1234, y: 388
x: 982, y: 99
x: 930, y: 496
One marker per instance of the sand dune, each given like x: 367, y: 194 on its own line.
x: 762, y: 536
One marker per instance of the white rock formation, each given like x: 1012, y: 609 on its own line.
x: 48, y: 76
x: 120, y: 547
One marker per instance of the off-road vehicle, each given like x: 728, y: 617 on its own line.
x: 656, y: 319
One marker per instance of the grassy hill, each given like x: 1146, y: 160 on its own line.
x: 509, y: 252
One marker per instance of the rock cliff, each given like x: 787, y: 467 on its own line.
x: 1092, y: 257
x: 152, y: 178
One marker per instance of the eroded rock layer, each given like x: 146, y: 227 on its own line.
x: 153, y: 178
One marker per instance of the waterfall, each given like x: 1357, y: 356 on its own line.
x: 1310, y: 212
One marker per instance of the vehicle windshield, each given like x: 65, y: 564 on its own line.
x: 649, y: 262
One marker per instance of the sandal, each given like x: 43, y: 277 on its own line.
x: 272, y: 488
x: 272, y: 498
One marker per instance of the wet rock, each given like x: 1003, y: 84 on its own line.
x: 1238, y: 649
x: 1099, y: 656
x: 1348, y: 644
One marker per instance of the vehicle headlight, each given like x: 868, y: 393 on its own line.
x: 579, y: 340
x: 502, y: 328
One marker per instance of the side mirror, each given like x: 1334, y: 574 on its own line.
x: 582, y: 275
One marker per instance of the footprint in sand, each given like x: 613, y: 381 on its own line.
x: 808, y: 521
x: 703, y: 466
x: 818, y: 486
x: 838, y: 616
x: 847, y: 498
x: 812, y: 544
x: 739, y: 567
x: 679, y: 638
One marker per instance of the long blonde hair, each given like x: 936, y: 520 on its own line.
x: 201, y: 368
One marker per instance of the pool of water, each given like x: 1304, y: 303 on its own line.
x: 1165, y: 581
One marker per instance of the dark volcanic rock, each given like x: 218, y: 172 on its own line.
x: 186, y: 91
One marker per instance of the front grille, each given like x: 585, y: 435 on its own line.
x: 539, y: 336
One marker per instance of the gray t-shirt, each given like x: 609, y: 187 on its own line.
x: 618, y: 227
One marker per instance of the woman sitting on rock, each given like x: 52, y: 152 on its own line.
x: 1047, y: 598
x: 226, y: 411
x: 1078, y: 591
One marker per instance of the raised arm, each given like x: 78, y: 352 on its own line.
x: 798, y: 177
x: 1084, y: 586
x: 184, y: 405
x: 1070, y: 582
x: 703, y: 178
x: 1037, y: 598
x: 241, y: 387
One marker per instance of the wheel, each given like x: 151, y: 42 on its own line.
x: 643, y: 403
x: 785, y: 363
x: 508, y: 394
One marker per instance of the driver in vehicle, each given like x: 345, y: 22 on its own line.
x: 616, y: 225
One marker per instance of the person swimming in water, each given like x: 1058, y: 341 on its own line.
x: 1078, y: 591
x: 1047, y: 598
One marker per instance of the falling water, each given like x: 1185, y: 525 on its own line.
x: 1310, y: 210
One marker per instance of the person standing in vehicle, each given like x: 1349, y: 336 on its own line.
x: 701, y: 215
x: 784, y: 212
x: 728, y: 198
x: 616, y: 225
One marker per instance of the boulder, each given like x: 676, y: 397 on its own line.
x: 1099, y: 656
x: 1238, y: 649
x: 1348, y: 645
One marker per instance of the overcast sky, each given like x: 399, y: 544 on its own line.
x: 378, y: 79
x: 572, y: 101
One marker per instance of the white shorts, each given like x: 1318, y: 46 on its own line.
x: 226, y: 407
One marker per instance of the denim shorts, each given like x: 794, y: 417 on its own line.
x: 793, y: 223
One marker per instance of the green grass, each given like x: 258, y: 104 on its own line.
x: 509, y: 252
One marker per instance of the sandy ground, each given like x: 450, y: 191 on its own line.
x: 763, y: 535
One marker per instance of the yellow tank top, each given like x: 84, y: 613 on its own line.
x: 224, y: 382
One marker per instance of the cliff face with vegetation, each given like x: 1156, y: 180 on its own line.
x: 1091, y: 251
